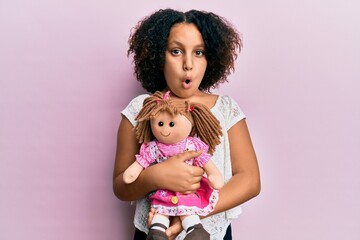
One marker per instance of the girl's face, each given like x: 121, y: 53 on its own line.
x: 170, y: 129
x: 185, y: 61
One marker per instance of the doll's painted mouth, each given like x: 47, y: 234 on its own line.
x: 164, y: 135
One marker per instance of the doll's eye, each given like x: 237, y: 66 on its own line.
x: 161, y: 124
x: 171, y: 124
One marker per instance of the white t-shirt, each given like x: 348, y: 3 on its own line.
x: 227, y: 111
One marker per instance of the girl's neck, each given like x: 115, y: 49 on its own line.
x: 205, y: 98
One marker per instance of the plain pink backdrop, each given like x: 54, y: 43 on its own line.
x: 65, y: 77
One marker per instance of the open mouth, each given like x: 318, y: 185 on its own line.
x: 187, y: 83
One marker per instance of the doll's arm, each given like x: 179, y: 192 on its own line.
x: 143, y: 160
x: 132, y: 172
x: 213, y: 174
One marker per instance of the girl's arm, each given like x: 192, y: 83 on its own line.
x: 245, y: 182
x: 173, y: 174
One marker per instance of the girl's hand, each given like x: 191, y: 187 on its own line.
x: 175, y: 225
x: 174, y: 229
x: 150, y: 216
x: 176, y: 175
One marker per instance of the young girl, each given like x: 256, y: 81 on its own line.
x: 188, y: 53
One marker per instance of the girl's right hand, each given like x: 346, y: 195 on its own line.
x: 175, y: 225
x: 174, y: 229
x: 176, y: 175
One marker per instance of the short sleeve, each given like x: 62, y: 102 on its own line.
x: 144, y: 158
x: 204, y: 157
x: 231, y: 111
x: 134, y: 107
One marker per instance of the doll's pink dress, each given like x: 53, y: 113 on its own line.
x: 170, y: 203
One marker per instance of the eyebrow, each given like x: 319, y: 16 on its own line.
x: 201, y: 45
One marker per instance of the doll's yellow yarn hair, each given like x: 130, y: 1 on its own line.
x: 205, y: 124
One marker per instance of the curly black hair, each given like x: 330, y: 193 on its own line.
x: 148, y: 43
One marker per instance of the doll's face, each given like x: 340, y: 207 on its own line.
x: 170, y: 129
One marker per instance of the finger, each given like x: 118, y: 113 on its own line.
x: 189, y: 154
x: 196, y: 179
x: 192, y: 189
x: 150, y: 216
x: 174, y: 230
x: 198, y: 173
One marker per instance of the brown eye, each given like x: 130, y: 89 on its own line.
x: 199, y: 53
x: 176, y: 52
x: 161, y: 124
x: 171, y: 124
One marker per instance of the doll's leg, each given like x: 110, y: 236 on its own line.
x: 194, y: 229
x: 159, y: 224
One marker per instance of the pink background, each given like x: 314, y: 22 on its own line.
x: 65, y: 77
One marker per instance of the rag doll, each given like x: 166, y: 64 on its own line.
x: 166, y: 127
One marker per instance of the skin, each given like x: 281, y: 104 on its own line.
x: 185, y: 59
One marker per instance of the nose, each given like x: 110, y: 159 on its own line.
x: 188, y: 64
x: 187, y: 68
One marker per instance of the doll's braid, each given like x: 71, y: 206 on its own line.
x: 206, y: 125
x: 142, y: 129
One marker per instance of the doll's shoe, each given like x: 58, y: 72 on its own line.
x: 197, y: 232
x: 155, y: 234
